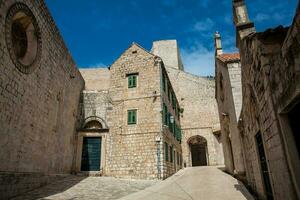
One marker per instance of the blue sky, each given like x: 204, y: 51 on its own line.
x: 98, y: 31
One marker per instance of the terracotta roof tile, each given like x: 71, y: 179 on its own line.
x: 229, y: 57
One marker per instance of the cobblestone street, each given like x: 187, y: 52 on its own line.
x: 82, y: 188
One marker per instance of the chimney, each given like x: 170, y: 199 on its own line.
x: 218, y: 44
x: 243, y: 25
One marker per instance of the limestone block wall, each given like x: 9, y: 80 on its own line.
x: 38, y: 101
x: 270, y: 79
x: 96, y: 103
x: 229, y: 98
x: 196, y: 96
x: 168, y: 50
x: 170, y: 167
x: 132, y: 149
x: 96, y: 79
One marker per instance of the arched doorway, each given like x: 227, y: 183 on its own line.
x: 91, y: 145
x: 198, y: 150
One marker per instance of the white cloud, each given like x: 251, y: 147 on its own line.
x: 260, y: 17
x: 204, y: 25
x: 198, y: 60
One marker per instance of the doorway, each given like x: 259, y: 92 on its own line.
x: 198, y: 150
x: 91, y: 154
x: 295, y: 125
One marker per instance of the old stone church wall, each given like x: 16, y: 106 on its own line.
x: 39, y: 94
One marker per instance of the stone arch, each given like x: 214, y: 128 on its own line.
x: 94, y: 122
x: 198, y: 150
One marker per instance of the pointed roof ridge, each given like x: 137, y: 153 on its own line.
x: 139, y: 46
x: 135, y: 43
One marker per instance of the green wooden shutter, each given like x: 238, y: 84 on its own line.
x: 132, y: 80
x: 165, y: 114
x: 131, y: 118
x: 164, y: 82
x: 166, y: 151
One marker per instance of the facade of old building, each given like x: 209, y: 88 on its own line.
x: 269, y: 119
x: 143, y: 117
x: 201, y: 144
x: 137, y: 113
x: 40, y: 89
x: 229, y: 98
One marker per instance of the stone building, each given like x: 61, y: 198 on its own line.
x: 143, y: 117
x: 269, y: 118
x: 201, y: 144
x: 137, y: 113
x: 229, y: 98
x: 40, y: 89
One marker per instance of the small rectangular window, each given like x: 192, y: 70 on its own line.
x: 132, y: 116
x: 132, y: 80
x: 166, y: 151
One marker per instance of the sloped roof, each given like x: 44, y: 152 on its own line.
x: 229, y: 57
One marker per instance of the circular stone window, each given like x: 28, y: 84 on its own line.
x: 23, y: 38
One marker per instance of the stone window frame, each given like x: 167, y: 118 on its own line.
x: 132, y: 80
x: 130, y: 119
x: 15, y: 9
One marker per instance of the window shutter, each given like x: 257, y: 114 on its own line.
x: 133, y: 81
x: 131, y: 117
x: 166, y: 151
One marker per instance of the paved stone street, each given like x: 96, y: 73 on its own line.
x: 207, y: 183
x: 87, y: 188
x: 197, y: 183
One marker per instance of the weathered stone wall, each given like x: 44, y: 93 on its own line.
x: 229, y: 98
x: 96, y: 79
x: 39, y: 102
x: 270, y: 79
x: 168, y: 167
x: 168, y: 50
x: 132, y: 149
x: 197, y: 97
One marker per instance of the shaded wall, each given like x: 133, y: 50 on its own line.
x: 38, y: 102
x: 270, y: 79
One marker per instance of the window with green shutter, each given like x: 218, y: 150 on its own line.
x: 165, y: 114
x: 164, y: 82
x: 132, y: 80
x: 166, y: 151
x: 171, y: 153
x: 131, y: 119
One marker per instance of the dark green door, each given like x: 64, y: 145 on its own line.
x: 91, y: 154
